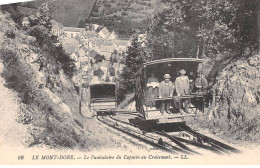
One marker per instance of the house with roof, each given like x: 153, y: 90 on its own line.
x: 83, y: 51
x: 91, y: 34
x: 112, y: 36
x: 122, y: 45
x: 71, y: 32
x: 104, y: 33
x: 106, y: 49
x: 95, y: 26
x: 96, y: 43
x: 57, y: 28
x: 93, y: 53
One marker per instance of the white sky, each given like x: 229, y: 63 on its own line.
x: 11, y: 1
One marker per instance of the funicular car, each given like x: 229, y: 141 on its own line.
x: 103, y: 97
x: 194, y: 100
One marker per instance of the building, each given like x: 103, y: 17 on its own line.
x: 95, y: 26
x: 57, y: 28
x: 122, y: 45
x: 71, y: 32
x: 107, y: 48
x: 83, y: 51
x: 104, y: 33
x: 112, y: 36
x: 91, y: 34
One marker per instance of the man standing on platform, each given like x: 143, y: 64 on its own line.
x: 182, y: 86
x: 166, y: 88
x: 201, y: 84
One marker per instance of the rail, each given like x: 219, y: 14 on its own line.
x: 214, y: 146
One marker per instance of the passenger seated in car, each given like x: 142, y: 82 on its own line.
x: 152, y: 89
x: 166, y: 89
x: 182, y: 86
x: 192, y: 79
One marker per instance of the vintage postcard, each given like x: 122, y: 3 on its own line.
x: 94, y: 82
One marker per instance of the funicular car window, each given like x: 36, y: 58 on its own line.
x: 102, y: 91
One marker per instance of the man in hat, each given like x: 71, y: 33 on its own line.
x: 201, y: 84
x: 182, y: 86
x: 166, y: 88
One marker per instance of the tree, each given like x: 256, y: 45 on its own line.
x: 135, y: 56
x: 14, y: 11
x: 40, y: 27
x: 213, y: 27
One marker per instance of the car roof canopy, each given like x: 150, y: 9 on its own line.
x: 176, y: 61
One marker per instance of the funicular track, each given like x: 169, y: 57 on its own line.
x: 135, y: 134
x: 172, y: 144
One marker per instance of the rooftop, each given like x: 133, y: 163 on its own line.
x: 73, y: 29
x: 56, y: 24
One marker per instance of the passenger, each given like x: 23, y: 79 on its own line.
x: 201, y: 84
x: 166, y: 88
x: 192, y: 78
x: 99, y: 73
x: 182, y: 86
x: 152, y: 89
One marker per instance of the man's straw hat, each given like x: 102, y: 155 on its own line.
x: 182, y: 72
x: 167, y: 76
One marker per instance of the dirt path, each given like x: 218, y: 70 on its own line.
x: 11, y: 132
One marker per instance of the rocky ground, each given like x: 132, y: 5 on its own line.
x: 234, y: 116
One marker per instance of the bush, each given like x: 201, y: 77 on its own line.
x: 10, y: 34
x: 54, y: 53
x: 17, y: 76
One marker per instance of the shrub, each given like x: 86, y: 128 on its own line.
x: 10, y: 34
x: 17, y: 76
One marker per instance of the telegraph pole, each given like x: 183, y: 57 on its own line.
x: 80, y: 86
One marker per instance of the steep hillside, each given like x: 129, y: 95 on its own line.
x: 12, y: 133
x: 67, y: 12
x: 39, y: 103
x: 125, y: 17
x: 44, y: 107
x: 235, y: 113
